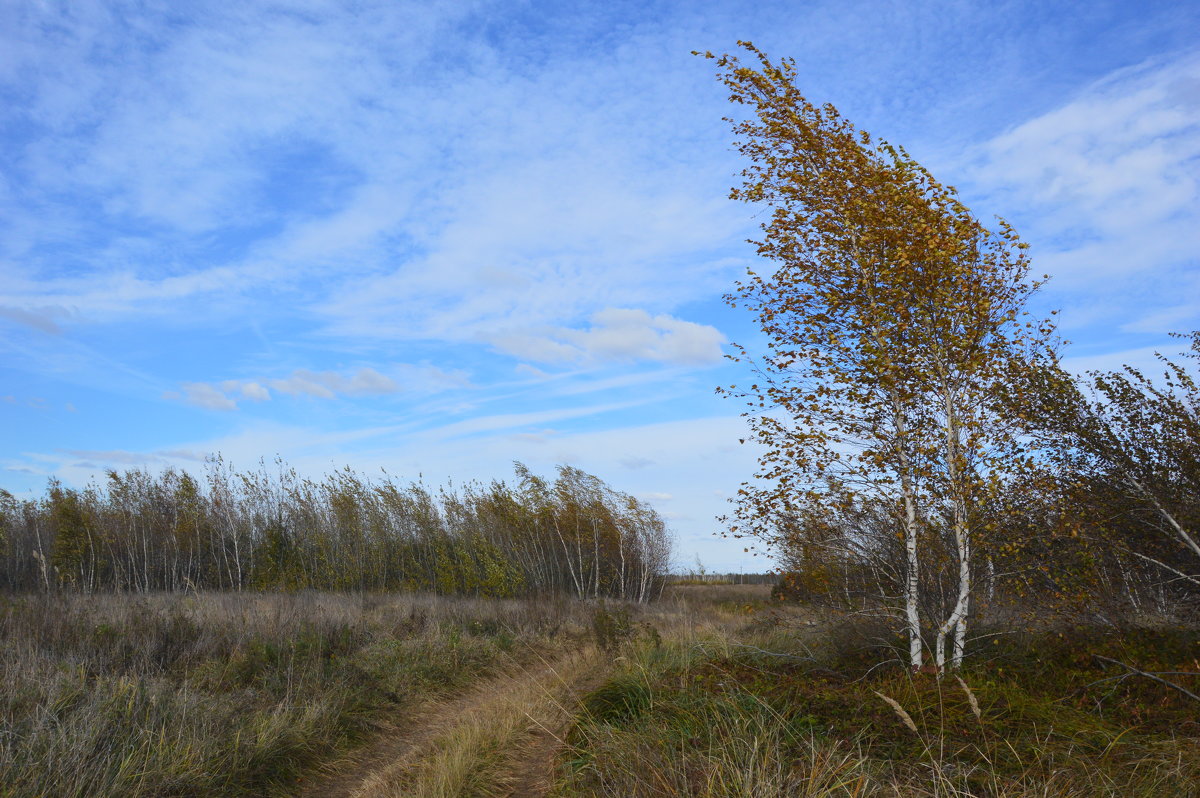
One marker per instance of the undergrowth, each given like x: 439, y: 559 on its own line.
x: 231, y: 694
x: 753, y: 709
x: 713, y: 692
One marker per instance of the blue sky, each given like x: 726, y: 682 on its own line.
x: 439, y: 237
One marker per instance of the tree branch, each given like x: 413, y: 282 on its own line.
x: 1177, y: 572
x: 1152, y: 676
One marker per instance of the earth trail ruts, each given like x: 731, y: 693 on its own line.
x: 531, y: 764
x: 376, y: 770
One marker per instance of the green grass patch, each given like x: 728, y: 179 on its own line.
x: 805, y: 715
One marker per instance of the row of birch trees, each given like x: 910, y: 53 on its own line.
x: 923, y: 450
x: 270, y: 528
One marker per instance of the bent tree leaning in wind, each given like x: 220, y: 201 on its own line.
x: 895, y: 323
x: 1130, y: 435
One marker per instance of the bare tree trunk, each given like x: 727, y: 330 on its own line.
x: 621, y: 552
x: 91, y: 576
x: 964, y: 587
x: 1181, y: 534
x: 595, y: 559
x: 567, y: 556
x: 41, y: 556
x: 957, y: 620
x: 912, y: 585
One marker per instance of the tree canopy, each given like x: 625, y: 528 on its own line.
x: 896, y: 325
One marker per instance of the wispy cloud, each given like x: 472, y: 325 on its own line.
x: 623, y: 335
x: 1107, y: 188
x: 509, y: 421
x: 440, y: 236
x: 365, y: 381
x: 203, y: 395
x: 297, y: 138
x: 249, y: 390
x: 116, y: 456
x: 328, y: 384
x: 40, y: 318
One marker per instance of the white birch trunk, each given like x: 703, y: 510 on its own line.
x: 912, y: 584
x: 595, y: 559
x: 567, y: 556
x: 957, y: 620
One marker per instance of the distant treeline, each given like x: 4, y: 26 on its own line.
x: 271, y: 529
x: 707, y: 578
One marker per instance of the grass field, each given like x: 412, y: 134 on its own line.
x: 752, y: 699
x: 713, y: 691
x: 230, y: 695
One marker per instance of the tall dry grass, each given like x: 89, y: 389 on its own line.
x: 770, y: 702
x: 232, y: 694
x: 486, y: 743
x: 715, y: 691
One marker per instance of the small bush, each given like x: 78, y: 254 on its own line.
x: 611, y: 628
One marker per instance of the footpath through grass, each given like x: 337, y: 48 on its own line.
x: 764, y: 704
x: 714, y: 691
x: 233, y: 695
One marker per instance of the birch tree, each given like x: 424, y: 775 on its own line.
x: 893, y: 321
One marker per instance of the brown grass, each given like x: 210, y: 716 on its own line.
x: 715, y: 691
x: 780, y: 701
x: 226, y: 694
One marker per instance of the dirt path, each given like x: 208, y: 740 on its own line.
x: 530, y: 763
x: 501, y: 737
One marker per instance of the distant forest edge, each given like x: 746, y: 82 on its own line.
x: 272, y: 529
x: 706, y: 578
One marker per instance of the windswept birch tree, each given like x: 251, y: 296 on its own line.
x: 1133, y: 442
x: 894, y: 324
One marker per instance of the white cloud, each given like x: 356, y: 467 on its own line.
x: 620, y: 335
x: 306, y: 383
x: 1107, y: 189
x: 246, y: 390
x: 40, y: 318
x: 527, y: 370
x: 434, y: 174
x: 364, y: 382
x: 635, y: 335
x: 540, y: 348
x: 503, y: 421
x: 201, y: 394
x: 27, y: 470
x: 1144, y: 359
x: 184, y: 454
x: 119, y: 456
x: 320, y: 384
x: 1115, y: 152
x: 254, y: 391
x: 634, y: 463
